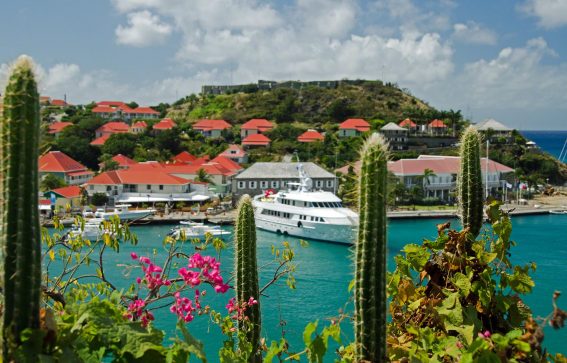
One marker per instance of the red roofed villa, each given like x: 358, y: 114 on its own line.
x: 184, y: 157
x: 211, y: 128
x: 437, y: 127
x: 57, y: 127
x: 67, y: 195
x: 310, y: 136
x: 118, y: 109
x: 256, y: 140
x: 123, y: 161
x: 353, y: 127
x: 165, y: 124
x: 63, y: 167
x: 114, y: 127
x: 58, y: 103
x: 235, y: 153
x: 255, y: 126
x: 408, y: 124
x: 99, y: 141
x: 138, y: 127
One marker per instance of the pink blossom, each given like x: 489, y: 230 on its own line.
x: 134, y: 255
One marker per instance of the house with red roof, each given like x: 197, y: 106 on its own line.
x: 437, y: 127
x: 141, y: 112
x: 409, y: 124
x: 123, y: 161
x: 113, y: 127
x: 64, y: 167
x: 58, y: 103
x: 120, y: 110
x: 164, y: 124
x: 66, y: 196
x: 211, y: 128
x: 57, y: 127
x: 256, y: 140
x: 226, y: 163
x: 105, y: 111
x: 310, y: 136
x: 255, y: 126
x: 99, y: 141
x: 442, y: 183
x: 235, y: 153
x: 138, y: 127
x: 353, y: 127
x: 184, y: 157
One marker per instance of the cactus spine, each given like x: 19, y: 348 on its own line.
x: 370, y: 274
x: 469, y: 186
x: 247, y: 269
x: 20, y: 231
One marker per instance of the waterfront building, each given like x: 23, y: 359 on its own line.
x: 255, y: 126
x: 495, y: 131
x: 235, y: 153
x: 66, y: 196
x: 64, y: 167
x: 211, y: 128
x: 310, y: 136
x: 353, y: 127
x: 256, y: 140
x: 262, y: 176
x: 396, y: 136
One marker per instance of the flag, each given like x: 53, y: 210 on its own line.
x: 508, y: 185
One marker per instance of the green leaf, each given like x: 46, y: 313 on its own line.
x: 487, y: 357
x: 274, y: 350
x: 520, y: 281
x: 194, y: 346
x: 463, y: 283
x: 308, y: 332
x: 416, y: 255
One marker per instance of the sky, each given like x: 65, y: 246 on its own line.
x: 497, y: 59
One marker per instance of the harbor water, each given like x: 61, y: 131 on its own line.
x: 324, y: 271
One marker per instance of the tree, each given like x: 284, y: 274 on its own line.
x: 340, y: 109
x: 120, y: 144
x: 50, y: 182
x: 132, y: 104
x: 203, y: 176
x: 427, y: 173
x: 108, y: 164
x: 99, y: 199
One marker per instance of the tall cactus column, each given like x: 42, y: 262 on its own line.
x: 247, y: 269
x: 20, y: 232
x: 370, y: 274
x: 469, y: 184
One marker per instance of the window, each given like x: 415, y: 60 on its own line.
x: 148, y: 187
x: 253, y: 185
x: 319, y: 183
x: 241, y: 185
x: 263, y: 184
x: 161, y: 187
x: 108, y: 188
x: 275, y: 184
x: 91, y: 187
x: 330, y: 183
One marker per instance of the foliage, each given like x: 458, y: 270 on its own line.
x: 99, y: 199
x: 50, y: 182
x: 120, y: 144
x: 20, y: 234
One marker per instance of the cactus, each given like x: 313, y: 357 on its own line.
x: 247, y: 269
x: 20, y: 232
x: 469, y: 185
x: 370, y: 274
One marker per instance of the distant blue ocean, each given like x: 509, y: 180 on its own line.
x: 549, y: 141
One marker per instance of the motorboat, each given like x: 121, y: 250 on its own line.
x: 123, y: 212
x: 197, y: 230
x: 92, y: 230
x: 305, y: 213
x: 558, y: 211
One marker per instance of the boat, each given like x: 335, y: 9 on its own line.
x: 92, y: 230
x: 305, y: 213
x: 197, y: 230
x: 122, y: 211
x: 558, y: 211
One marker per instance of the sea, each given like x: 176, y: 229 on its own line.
x: 551, y: 142
x: 324, y: 271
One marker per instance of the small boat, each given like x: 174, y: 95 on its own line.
x: 122, y: 211
x: 197, y: 230
x: 558, y: 211
x: 92, y: 230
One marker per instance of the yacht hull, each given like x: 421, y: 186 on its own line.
x: 335, y: 233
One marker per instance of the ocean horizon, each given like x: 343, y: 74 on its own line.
x: 550, y: 141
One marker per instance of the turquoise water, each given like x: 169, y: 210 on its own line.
x: 324, y: 271
x: 549, y: 141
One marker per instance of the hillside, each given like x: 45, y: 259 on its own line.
x: 312, y: 106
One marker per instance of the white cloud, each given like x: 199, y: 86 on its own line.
x: 143, y: 29
x: 551, y: 13
x: 473, y: 33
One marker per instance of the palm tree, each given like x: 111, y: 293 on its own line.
x: 203, y: 176
x: 427, y: 173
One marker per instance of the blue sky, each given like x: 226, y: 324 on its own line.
x: 491, y: 59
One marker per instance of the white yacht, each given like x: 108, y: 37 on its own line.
x: 92, y: 230
x: 305, y: 213
x: 197, y: 230
x: 122, y: 211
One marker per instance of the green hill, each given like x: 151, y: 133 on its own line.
x: 311, y: 106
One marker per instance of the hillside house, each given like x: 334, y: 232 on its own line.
x: 409, y: 125
x: 353, y: 127
x: 120, y: 110
x: 56, y: 128
x: 437, y: 127
x: 184, y: 157
x: 255, y: 126
x: 236, y: 153
x: 164, y: 124
x: 113, y: 127
x: 138, y: 127
x: 211, y: 128
x: 310, y: 136
x: 256, y: 140
x: 495, y: 131
x: 63, y: 167
x: 123, y: 161
x: 396, y: 136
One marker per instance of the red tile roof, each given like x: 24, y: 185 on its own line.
x: 256, y: 139
x: 57, y: 127
x: 123, y: 160
x: 103, y: 109
x: 437, y: 124
x: 355, y: 123
x: 45, y: 202
x: 310, y: 136
x: 139, y: 125
x: 259, y: 124
x: 407, y: 123
x: 114, y: 127
x: 111, y: 103
x: 137, y: 176
x: 188, y: 169
x: 80, y: 173
x: 233, y: 151
x: 165, y: 124
x: 226, y: 163
x: 144, y: 110
x: 208, y: 125
x: 56, y: 161
x: 439, y: 165
x: 184, y: 157
x: 100, y: 141
x: 72, y: 191
x: 56, y: 102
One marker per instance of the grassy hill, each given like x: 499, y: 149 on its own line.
x: 312, y: 106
